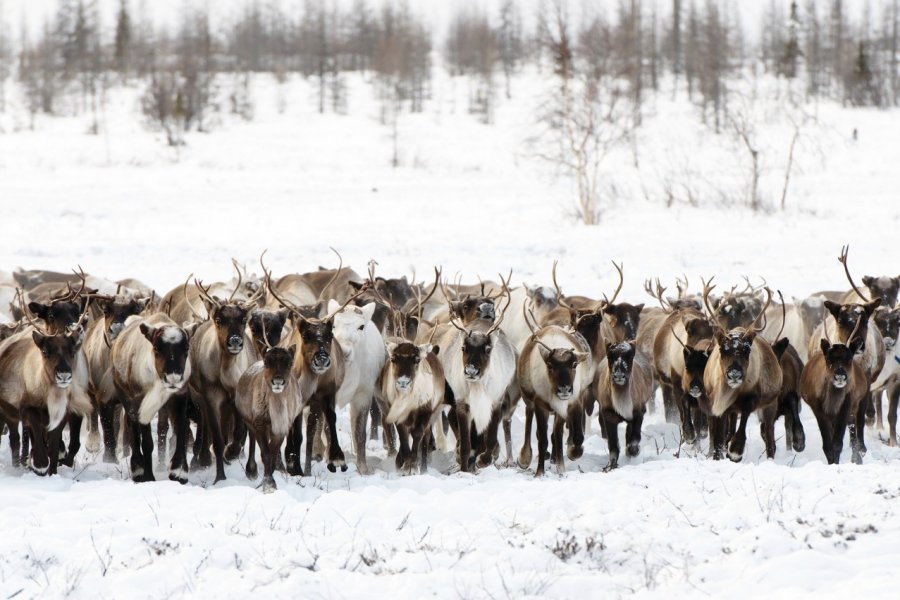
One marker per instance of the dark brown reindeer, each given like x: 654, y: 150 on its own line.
x: 888, y: 323
x: 741, y: 376
x: 151, y: 367
x: 624, y: 384
x: 554, y: 368
x: 268, y: 399
x: 412, y: 397
x: 42, y: 380
x: 834, y: 385
x: 220, y: 353
x: 319, y: 369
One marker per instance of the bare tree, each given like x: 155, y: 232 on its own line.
x: 472, y: 50
x: 122, y: 49
x: 585, y: 117
x: 6, y: 57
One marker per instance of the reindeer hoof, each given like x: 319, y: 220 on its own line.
x: 331, y: 467
x: 524, y: 459
x: 219, y: 477
x: 179, y: 475
x: 633, y: 449
x: 575, y: 452
x: 892, y: 441
x: 734, y: 456
x: 539, y: 472
x: 362, y: 469
x: 40, y: 471
x: 93, y: 442
x: 856, y: 458
x: 67, y: 461
x: 611, y: 466
x: 343, y: 468
x: 484, y: 460
x: 251, y: 471
x: 268, y: 485
x: 232, y: 452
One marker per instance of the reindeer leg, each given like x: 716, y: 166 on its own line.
x: 879, y: 417
x: 15, y: 442
x: 869, y: 413
x: 238, y: 434
x: 717, y: 437
x: 507, y: 439
x: 861, y: 419
x: 54, y: 439
x: 840, y: 427
x: 40, y: 462
x: 799, y: 436
x: 633, y: 438
x: 107, y: 414
x: 767, y: 429
x: 26, y: 441
x: 542, y: 417
x: 688, y: 433
x: 464, y: 435
x: 559, y: 424
x: 93, y: 440
x: 147, y: 450
x: 670, y: 404
x: 894, y: 400
x: 214, y: 424
x: 138, y: 473
x: 403, y: 452
x: 272, y: 449
x: 375, y: 412
x: 424, y: 447
x: 162, y: 435
x: 739, y: 439
x: 525, y: 454
x: 611, y: 422
x: 250, y: 469
x: 358, y: 416
x: 74, y: 422
x: 311, y: 427
x: 576, y: 432
x: 335, y: 454
x: 486, y: 458
x: 178, y: 466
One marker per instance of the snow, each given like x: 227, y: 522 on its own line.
x: 469, y: 197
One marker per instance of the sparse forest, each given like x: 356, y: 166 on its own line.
x: 602, y: 72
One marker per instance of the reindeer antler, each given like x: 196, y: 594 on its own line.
x: 783, y: 316
x: 21, y: 297
x: 845, y: 250
x: 237, y: 286
x: 336, y: 273
x: 658, y: 294
x: 712, y: 315
x: 559, y: 294
x: 761, y: 314
x: 499, y: 320
x: 204, y: 293
x: 187, y: 299
x: 621, y: 282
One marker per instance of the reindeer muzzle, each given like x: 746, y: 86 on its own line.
x: 486, y: 311
x: 695, y: 391
x: 889, y: 343
x: 235, y: 344
x: 403, y: 383
x: 63, y: 379
x: 564, y: 392
x: 114, y: 330
x: 173, y: 381
x: 734, y: 377
x: 472, y: 373
x: 277, y: 385
x: 839, y: 380
x: 321, y: 362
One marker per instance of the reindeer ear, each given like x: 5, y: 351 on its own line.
x: 750, y: 336
x: 456, y: 308
x: 871, y: 306
x: 833, y: 307
x: 856, y: 344
x: 580, y: 357
x: 190, y: 329
x: 39, y: 310
x: 780, y: 346
x: 424, y: 349
x: 141, y: 305
x: 545, y: 354
x: 390, y: 347
x: 824, y: 345
x: 639, y: 307
x: 210, y: 306
x: 868, y: 281
x: 148, y: 331
x: 38, y: 338
x: 368, y: 310
x: 333, y: 305
x: 292, y: 350
x: 354, y: 284
x: 435, y: 349
x: 283, y: 315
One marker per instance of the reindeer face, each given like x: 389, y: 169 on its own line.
x: 267, y: 326
x: 350, y: 326
x: 888, y: 323
x: 60, y: 316
x: 230, y: 321
x: 734, y: 350
x: 683, y: 303
x: 59, y: 355
x: 115, y: 312
x: 171, y: 346
x: 620, y: 358
x: 885, y: 288
x: 838, y: 361
x: 277, y: 363
x: 405, y: 359
x: 587, y: 323
x: 625, y: 318
x: 812, y: 311
x: 476, y: 351
x: 474, y: 307
x: 398, y: 291
x: 562, y: 364
x: 734, y: 311
x: 543, y: 298
x: 698, y: 329
x: 848, y: 316
x: 694, y: 365
x: 316, y: 338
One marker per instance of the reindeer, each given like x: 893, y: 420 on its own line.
x: 220, y: 353
x: 741, y: 376
x: 624, y: 384
x: 554, y: 368
x: 871, y: 351
x: 412, y: 394
x: 888, y: 323
x: 834, y: 385
x: 269, y: 400
x: 479, y: 365
x: 319, y: 368
x: 798, y: 323
x: 151, y: 367
x: 98, y: 341
x: 42, y: 379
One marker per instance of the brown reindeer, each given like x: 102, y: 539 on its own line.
x: 42, y: 379
x: 269, y: 400
x: 834, y: 385
x: 412, y: 396
x: 220, y: 353
x: 741, y: 376
x: 624, y: 384
x: 151, y: 368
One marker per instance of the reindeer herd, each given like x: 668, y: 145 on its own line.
x: 261, y: 361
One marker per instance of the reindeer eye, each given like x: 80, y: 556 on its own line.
x: 361, y: 327
x: 218, y: 321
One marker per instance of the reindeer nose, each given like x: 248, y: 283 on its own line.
x: 114, y: 329
x: 471, y: 371
x: 486, y: 310
x: 278, y: 384
x: 321, y: 361
x: 840, y: 380
x: 564, y: 392
x: 173, y: 379
x: 403, y: 382
x: 889, y: 343
x: 695, y: 391
x: 235, y: 344
x: 63, y: 379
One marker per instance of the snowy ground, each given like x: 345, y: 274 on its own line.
x: 467, y: 197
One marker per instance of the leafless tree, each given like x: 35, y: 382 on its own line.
x: 472, y: 50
